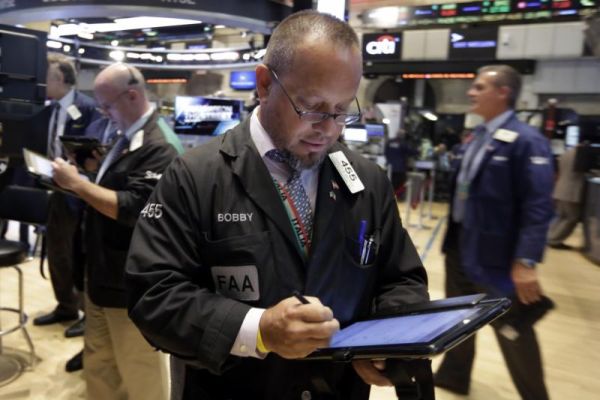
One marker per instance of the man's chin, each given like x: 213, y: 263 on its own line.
x: 310, y: 160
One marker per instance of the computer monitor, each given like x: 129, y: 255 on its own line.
x: 242, y: 80
x: 572, y: 136
x: 587, y: 157
x: 31, y: 133
x: 22, y: 71
x: 356, y: 133
x: 199, y: 118
x: 363, y: 133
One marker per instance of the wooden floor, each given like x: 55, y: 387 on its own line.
x: 569, y: 336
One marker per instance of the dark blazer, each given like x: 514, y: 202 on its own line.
x: 508, y: 209
x: 133, y: 176
x: 220, y: 208
x: 89, y: 113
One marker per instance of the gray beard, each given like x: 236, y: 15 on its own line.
x: 300, y: 165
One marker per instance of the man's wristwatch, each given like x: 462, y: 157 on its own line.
x: 527, y: 262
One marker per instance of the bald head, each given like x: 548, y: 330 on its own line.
x: 121, y: 76
x: 120, y: 92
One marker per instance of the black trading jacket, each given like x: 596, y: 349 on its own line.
x: 133, y: 176
x: 219, y: 208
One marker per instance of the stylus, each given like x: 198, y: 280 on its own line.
x: 300, y: 298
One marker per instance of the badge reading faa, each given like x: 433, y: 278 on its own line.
x: 240, y: 283
x: 343, y: 166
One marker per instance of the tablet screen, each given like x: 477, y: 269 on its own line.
x: 38, y: 164
x: 407, y: 329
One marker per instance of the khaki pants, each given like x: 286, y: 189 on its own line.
x: 118, y: 362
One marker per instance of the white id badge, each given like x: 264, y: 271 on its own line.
x: 504, y: 135
x: 343, y: 166
x: 74, y: 112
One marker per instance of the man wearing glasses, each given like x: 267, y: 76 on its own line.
x: 275, y: 206
x: 117, y: 360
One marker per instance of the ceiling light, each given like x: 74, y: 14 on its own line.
x: 54, y: 44
x: 66, y: 48
x: 225, y: 56
x: 124, y: 24
x: 117, y: 55
x: 86, y: 35
x: 114, y: 43
x: 429, y: 115
x: 81, y: 50
x: 260, y: 54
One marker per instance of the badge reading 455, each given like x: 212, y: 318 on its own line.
x: 152, y: 210
x: 344, y: 168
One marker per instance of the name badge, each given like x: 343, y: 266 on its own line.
x: 239, y: 283
x: 504, y: 135
x: 349, y: 176
x: 136, y: 140
x: 73, y: 112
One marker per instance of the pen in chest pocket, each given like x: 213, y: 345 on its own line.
x: 361, y: 235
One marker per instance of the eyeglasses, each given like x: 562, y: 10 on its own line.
x: 109, y: 104
x: 315, y: 117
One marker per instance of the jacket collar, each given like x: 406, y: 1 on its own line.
x: 256, y: 180
x: 248, y: 166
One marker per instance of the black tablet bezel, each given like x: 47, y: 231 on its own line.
x: 74, y: 144
x: 490, y: 309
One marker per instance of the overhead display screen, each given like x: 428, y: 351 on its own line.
x: 382, y: 46
x: 493, y: 11
x: 474, y: 43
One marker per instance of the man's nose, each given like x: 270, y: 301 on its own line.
x: 327, y: 127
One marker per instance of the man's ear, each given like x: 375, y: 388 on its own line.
x: 263, y: 81
x: 505, y: 92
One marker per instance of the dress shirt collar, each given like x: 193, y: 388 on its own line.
x: 259, y: 135
x: 492, y: 125
x: 139, y: 124
x: 67, y: 99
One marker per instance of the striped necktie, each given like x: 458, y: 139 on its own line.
x: 296, y: 200
x: 113, y: 154
x: 54, y: 149
x: 470, y: 163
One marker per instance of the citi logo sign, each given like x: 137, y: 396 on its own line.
x: 384, y: 44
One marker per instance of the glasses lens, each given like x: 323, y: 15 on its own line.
x: 347, y: 119
x: 314, y: 117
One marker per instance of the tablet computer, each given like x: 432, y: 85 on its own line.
x: 77, y: 144
x: 41, y: 168
x: 421, y: 331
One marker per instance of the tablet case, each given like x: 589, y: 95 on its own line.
x: 82, y: 146
x: 492, y: 308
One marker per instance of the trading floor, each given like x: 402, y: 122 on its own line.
x: 569, y: 336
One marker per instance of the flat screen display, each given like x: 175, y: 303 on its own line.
x: 419, y: 328
x: 242, y: 80
x: 375, y: 130
x: 198, y: 118
x: 382, y: 46
x: 572, y: 136
x: 356, y: 134
x: 473, y: 43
